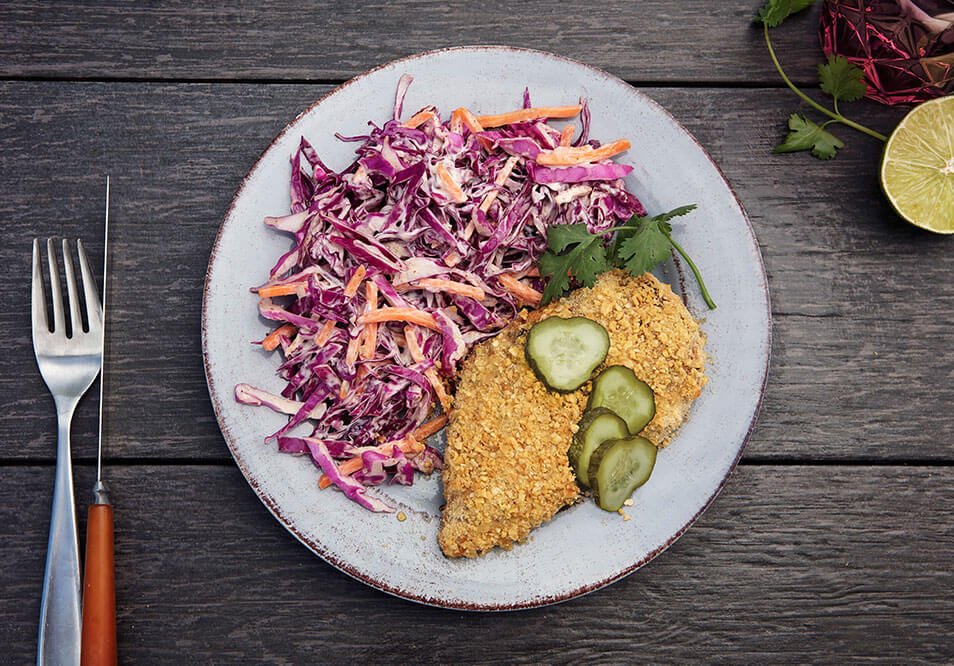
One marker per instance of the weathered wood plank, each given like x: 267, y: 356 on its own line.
x: 862, y: 302
x: 651, y: 40
x: 791, y: 564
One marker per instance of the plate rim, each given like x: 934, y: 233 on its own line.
x: 352, y: 571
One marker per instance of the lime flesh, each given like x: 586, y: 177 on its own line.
x: 917, y: 172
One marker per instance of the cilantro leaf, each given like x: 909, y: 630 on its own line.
x: 557, y: 270
x: 584, y: 261
x: 806, y: 135
x: 649, y: 244
x: 589, y: 261
x: 841, y: 79
x: 646, y: 248
x: 776, y: 11
x: 561, y: 235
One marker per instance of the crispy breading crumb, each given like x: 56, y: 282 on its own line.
x: 401, y: 516
x: 628, y: 502
x: 625, y: 517
x: 506, y: 469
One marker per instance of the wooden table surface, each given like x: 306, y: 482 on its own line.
x: 834, y: 537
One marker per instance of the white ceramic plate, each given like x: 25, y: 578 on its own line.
x: 583, y: 548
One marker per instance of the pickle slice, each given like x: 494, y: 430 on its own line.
x: 618, y: 389
x: 563, y: 353
x: 618, y: 467
x: 597, y: 426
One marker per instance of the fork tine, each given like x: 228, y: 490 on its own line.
x: 56, y: 291
x: 40, y: 322
x: 72, y: 293
x: 94, y: 309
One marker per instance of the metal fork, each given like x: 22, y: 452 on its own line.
x: 68, y: 366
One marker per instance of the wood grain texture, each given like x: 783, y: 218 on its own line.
x: 649, y: 40
x: 863, y: 304
x: 791, y: 564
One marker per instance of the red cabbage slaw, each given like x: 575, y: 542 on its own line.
x: 426, y: 244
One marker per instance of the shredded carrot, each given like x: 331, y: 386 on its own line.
x: 566, y: 136
x: 275, y: 337
x: 410, y: 315
x: 533, y: 271
x: 281, y: 289
x: 410, y: 334
x: 429, y: 428
x: 442, y: 396
x: 410, y: 445
x: 453, y: 189
x: 470, y: 228
x: 350, y: 466
x: 437, y: 284
x: 462, y: 117
x: 324, y: 481
x: 352, y: 287
x: 523, y: 115
x: 467, y: 119
x: 566, y: 156
x: 343, y: 392
x: 325, y: 333
x: 519, y: 289
x: 351, y: 355
x: 370, y: 342
x: 456, y: 123
x: 498, y: 181
x: 452, y: 259
x: 371, y: 331
x: 419, y: 119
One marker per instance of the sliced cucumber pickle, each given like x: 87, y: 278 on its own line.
x: 618, y: 467
x: 618, y: 389
x: 563, y: 353
x: 597, y: 426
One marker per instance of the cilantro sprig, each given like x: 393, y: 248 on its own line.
x: 639, y: 246
x: 837, y: 77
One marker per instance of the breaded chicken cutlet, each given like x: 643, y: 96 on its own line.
x: 506, y: 469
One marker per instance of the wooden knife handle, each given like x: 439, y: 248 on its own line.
x: 99, y: 590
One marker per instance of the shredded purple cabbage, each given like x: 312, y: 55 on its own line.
x: 390, y: 214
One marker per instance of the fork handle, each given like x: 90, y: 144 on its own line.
x: 99, y: 590
x: 59, y: 641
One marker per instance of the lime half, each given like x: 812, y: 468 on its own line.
x: 917, y: 171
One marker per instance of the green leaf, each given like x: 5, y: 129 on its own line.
x: 584, y: 262
x: 589, y: 260
x: 560, y: 236
x: 648, y: 245
x: 647, y: 248
x: 776, y: 11
x: 841, y: 79
x: 557, y: 268
x: 806, y: 135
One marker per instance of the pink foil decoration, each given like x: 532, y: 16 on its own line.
x: 905, y: 47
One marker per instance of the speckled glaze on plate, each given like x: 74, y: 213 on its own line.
x: 583, y: 548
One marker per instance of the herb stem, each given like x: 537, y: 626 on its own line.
x: 834, y: 116
x: 695, y: 271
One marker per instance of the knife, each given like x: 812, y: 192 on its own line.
x: 98, y: 642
